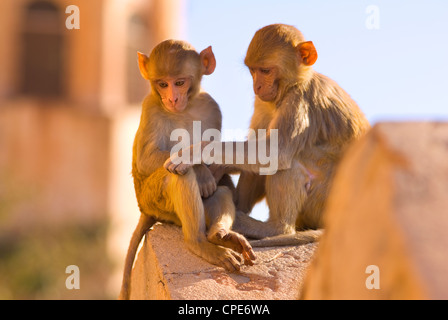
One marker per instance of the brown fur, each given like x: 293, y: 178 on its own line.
x: 316, y: 120
x: 201, y: 201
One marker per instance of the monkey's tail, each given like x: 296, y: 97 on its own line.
x: 143, y: 225
x: 298, y: 238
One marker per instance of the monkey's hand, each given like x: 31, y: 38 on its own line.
x: 218, y: 171
x: 176, y: 162
x: 174, y: 165
x: 206, y: 180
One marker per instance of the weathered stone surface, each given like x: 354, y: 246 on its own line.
x: 388, y: 207
x: 165, y: 269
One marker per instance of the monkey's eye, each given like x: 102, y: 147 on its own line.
x: 163, y: 84
x: 265, y: 71
x: 179, y: 83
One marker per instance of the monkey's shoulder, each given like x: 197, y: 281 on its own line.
x: 328, y: 92
x: 336, y: 117
x: 156, y: 123
x: 204, y: 100
x: 204, y: 108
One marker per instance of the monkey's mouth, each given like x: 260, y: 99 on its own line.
x: 269, y: 93
x: 177, y: 108
x: 267, y: 97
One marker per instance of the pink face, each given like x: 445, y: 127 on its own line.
x: 174, y: 93
x: 265, y: 82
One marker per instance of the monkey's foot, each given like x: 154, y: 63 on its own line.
x: 234, y: 241
x: 223, y: 257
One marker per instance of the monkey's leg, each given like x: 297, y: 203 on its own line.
x: 250, y: 189
x: 284, y: 201
x: 227, y: 181
x: 287, y: 196
x: 185, y: 197
x: 286, y: 193
x: 220, y: 214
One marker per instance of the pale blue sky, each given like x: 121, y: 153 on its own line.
x: 398, y: 72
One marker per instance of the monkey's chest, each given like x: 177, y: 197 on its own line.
x: 264, y: 117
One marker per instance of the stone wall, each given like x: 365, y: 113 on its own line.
x: 165, y: 269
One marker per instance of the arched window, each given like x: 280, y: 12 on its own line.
x: 138, y: 39
x: 42, y: 60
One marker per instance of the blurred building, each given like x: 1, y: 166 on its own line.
x: 70, y: 107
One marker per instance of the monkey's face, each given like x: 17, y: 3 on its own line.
x: 174, y: 92
x: 265, y: 82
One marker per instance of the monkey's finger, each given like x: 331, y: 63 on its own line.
x: 249, y: 252
x: 247, y: 259
x: 249, y: 256
x: 211, y: 189
x: 177, y: 169
x: 201, y: 191
x: 231, y: 266
x: 252, y: 254
x: 204, y: 192
x: 237, y: 256
x: 181, y: 168
x: 247, y: 248
x: 168, y: 163
x: 213, y: 186
x: 235, y: 261
x: 170, y: 167
x: 232, y: 262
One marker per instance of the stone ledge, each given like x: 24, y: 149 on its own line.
x: 388, y: 207
x: 165, y: 269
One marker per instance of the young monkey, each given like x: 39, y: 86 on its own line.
x: 315, y: 121
x: 201, y: 201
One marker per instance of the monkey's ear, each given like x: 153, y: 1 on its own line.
x: 143, y: 60
x: 307, y: 52
x: 208, y: 61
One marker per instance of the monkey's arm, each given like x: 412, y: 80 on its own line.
x: 219, y: 171
x: 206, y: 181
x: 245, y: 158
x: 266, y: 154
x: 276, y: 149
x: 268, y: 151
x: 149, y: 157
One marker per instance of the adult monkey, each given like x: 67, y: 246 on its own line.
x: 315, y: 119
x: 174, y: 70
